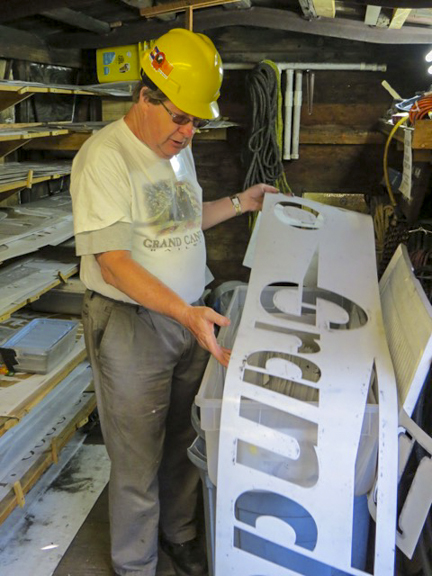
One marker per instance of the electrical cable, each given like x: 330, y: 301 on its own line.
x: 265, y: 140
x: 383, y: 216
x: 421, y: 108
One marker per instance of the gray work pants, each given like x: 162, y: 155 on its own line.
x: 147, y: 369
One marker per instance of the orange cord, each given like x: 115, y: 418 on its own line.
x: 420, y: 108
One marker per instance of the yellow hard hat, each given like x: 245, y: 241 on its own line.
x: 188, y: 69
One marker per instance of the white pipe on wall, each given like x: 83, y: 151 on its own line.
x: 313, y: 66
x: 292, y: 122
x: 297, y: 111
x: 288, y: 114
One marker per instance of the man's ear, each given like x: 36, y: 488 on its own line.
x: 143, y: 94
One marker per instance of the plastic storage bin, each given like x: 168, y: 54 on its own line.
x: 64, y: 299
x: 39, y: 346
x: 209, y: 402
x: 120, y: 63
x: 249, y: 507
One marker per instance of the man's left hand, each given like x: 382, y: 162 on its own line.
x: 252, y: 198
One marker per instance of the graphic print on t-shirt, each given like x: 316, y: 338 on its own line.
x: 173, y: 215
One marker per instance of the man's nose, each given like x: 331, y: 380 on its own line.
x: 188, y: 129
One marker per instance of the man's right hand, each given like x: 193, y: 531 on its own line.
x: 201, y: 321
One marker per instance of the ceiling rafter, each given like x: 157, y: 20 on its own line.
x: 21, y: 45
x: 411, y: 4
x: 180, y: 6
x: 15, y: 9
x: 308, y: 9
x: 78, y: 19
x: 271, y: 18
x: 238, y: 5
x: 399, y: 17
x: 421, y: 17
x: 326, y: 8
x: 138, y: 3
x: 372, y: 15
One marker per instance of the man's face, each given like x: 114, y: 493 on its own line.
x: 160, y: 133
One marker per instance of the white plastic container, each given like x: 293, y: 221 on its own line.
x: 64, y: 299
x: 209, y: 401
x: 39, y: 346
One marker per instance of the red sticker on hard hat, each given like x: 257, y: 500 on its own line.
x: 159, y: 62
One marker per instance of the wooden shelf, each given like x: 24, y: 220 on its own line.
x: 45, y: 460
x: 67, y: 141
x: 23, y: 392
x: 33, y: 388
x: 22, y: 478
x: 28, y: 278
x: 13, y: 137
x: 29, y: 227
x: 22, y: 184
x: 422, y: 133
x: 5, y: 314
x: 60, y: 136
x: 27, y: 174
x: 14, y: 92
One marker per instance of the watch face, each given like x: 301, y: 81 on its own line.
x: 236, y: 203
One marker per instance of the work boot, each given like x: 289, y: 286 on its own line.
x: 188, y: 559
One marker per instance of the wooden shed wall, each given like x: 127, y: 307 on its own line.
x: 341, y: 148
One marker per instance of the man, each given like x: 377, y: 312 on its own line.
x: 139, y: 216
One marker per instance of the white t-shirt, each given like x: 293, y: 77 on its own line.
x: 118, y: 183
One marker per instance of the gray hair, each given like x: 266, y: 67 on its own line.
x: 153, y: 93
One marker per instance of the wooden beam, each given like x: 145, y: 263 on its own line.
x: 337, y: 135
x: 422, y: 134
x: 10, y: 146
x: 414, y: 4
x: 308, y: 9
x: 326, y: 8
x: 238, y: 5
x: 372, y: 15
x: 399, y: 17
x: 12, y: 98
x: 422, y: 138
x: 189, y: 18
x: 21, y: 45
x: 271, y: 18
x: 78, y: 19
x: 138, y: 3
x: 420, y: 17
x: 180, y: 6
x: 15, y: 9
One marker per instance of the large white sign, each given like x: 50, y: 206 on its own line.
x: 309, y: 372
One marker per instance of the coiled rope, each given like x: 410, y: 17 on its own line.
x: 265, y: 141
x: 422, y: 108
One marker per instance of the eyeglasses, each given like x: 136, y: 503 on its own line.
x: 182, y: 119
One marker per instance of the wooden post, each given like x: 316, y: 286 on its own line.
x: 19, y: 494
x: 54, y: 450
x: 189, y: 18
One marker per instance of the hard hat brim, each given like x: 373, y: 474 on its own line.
x: 208, y: 111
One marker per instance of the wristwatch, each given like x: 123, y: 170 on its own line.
x: 236, y: 203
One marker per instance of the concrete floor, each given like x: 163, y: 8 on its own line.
x: 89, y: 553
